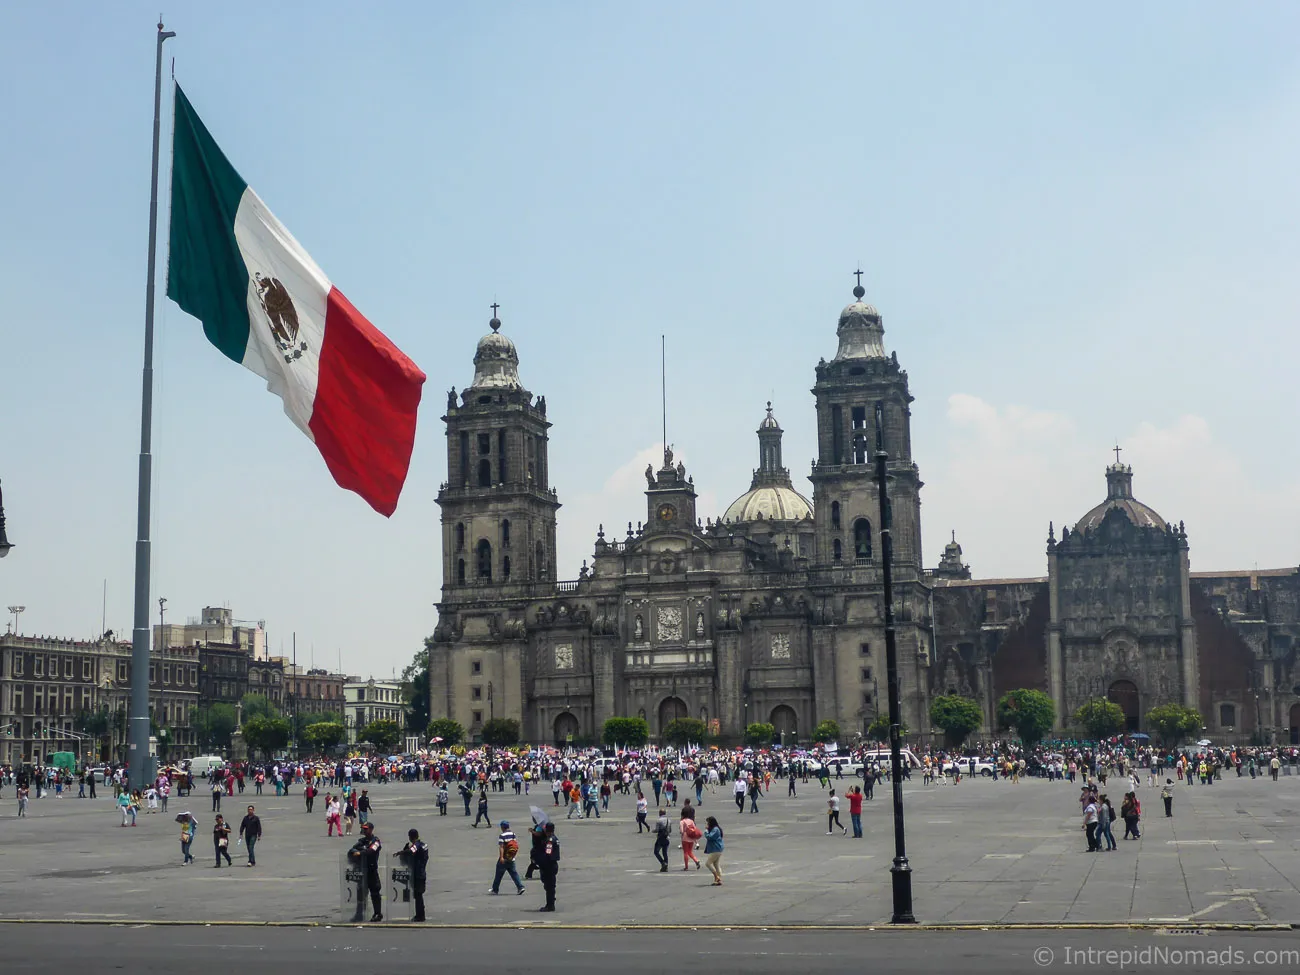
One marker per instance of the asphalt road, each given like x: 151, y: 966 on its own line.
x: 255, y: 950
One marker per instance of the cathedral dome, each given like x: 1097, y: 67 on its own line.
x: 861, y: 334
x: 769, y: 503
x: 1119, y: 497
x: 496, y: 362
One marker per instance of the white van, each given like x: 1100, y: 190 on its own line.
x: 204, y: 764
x: 883, y: 756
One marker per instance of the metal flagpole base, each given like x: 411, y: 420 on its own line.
x: 901, y: 875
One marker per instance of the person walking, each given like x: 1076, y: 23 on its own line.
x: 333, y: 816
x: 1167, y: 794
x: 790, y: 793
x: 713, y: 848
x: 366, y: 853
x: 415, y: 857
x: 124, y: 804
x: 221, y: 840
x: 1129, y: 811
x: 642, y: 810
x: 548, y: 865
x: 755, y: 786
x: 855, y: 810
x: 690, y: 834
x: 189, y: 826
x: 739, y: 789
x: 250, y: 831
x: 442, y: 800
x: 309, y: 795
x: 24, y: 797
x: 663, y: 831
x: 363, y: 806
x: 216, y: 795
x: 1091, y: 814
x: 833, y: 815
x: 90, y: 777
x: 482, y: 808
x: 466, y: 795
x: 507, y: 850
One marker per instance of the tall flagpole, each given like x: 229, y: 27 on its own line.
x: 139, y: 761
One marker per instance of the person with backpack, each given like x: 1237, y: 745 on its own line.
x: 663, y: 832
x: 690, y: 834
x: 507, y: 850
x: 713, y: 848
x: 442, y: 799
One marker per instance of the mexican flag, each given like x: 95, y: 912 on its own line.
x: 266, y: 304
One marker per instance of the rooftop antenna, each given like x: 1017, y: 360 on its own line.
x: 663, y: 388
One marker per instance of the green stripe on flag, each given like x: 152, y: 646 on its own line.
x: 206, y: 274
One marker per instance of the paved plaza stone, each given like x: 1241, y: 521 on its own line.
x: 981, y: 851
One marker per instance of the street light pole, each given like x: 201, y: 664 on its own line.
x: 492, y: 708
x: 901, y: 871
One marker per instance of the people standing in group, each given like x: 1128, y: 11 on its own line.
x: 507, y: 851
x: 415, y: 857
x: 221, y: 840
x: 250, y: 831
x: 713, y: 849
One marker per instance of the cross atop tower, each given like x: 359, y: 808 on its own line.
x: 858, y: 275
x: 858, y: 290
x: 1117, y: 453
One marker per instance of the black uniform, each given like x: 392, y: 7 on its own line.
x: 548, y: 864
x: 416, y: 856
x: 366, y: 851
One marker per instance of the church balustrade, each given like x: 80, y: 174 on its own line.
x: 677, y: 658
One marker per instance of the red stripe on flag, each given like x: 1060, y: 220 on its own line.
x: 367, y: 398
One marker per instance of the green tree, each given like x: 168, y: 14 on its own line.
x: 827, y: 731
x: 213, y: 725
x: 266, y: 735
x: 324, y: 735
x: 1173, y: 722
x: 685, y: 731
x: 1099, y: 717
x: 625, y: 731
x: 415, y: 689
x: 1031, y: 713
x: 878, y: 730
x: 384, y: 734
x: 305, y: 719
x: 958, y: 716
x: 501, y: 732
x: 257, y: 706
x: 448, y: 730
x: 760, y: 734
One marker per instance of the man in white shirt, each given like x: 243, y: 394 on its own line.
x: 1090, y: 825
x: 740, y: 788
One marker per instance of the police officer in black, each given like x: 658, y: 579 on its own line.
x: 548, y: 864
x: 366, y: 852
x: 537, y: 838
x: 415, y: 856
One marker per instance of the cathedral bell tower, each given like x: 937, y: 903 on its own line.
x: 846, y: 504
x: 498, y: 509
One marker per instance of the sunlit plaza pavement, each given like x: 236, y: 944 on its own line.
x: 981, y: 851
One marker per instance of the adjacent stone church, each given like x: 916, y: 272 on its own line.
x: 774, y: 612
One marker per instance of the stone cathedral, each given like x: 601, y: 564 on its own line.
x: 773, y: 612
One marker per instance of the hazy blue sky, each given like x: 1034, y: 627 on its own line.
x: 1079, y: 222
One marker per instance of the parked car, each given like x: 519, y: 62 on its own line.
x: 982, y: 766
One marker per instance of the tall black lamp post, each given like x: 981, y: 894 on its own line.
x: 492, y: 711
x: 901, y: 871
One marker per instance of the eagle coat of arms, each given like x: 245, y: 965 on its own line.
x: 282, y: 316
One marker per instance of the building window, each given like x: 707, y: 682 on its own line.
x: 541, y: 560
x: 866, y: 697
x: 464, y: 458
x: 460, y: 538
x: 505, y: 533
x: 18, y: 664
x: 505, y: 567
x: 167, y: 673
x: 862, y: 540
x: 865, y: 649
x: 121, y: 671
x: 476, y: 693
x: 835, y: 514
x: 478, y: 717
x: 485, y: 473
x: 866, y: 673
x: 39, y: 669
x: 1227, y: 715
x: 476, y: 667
x: 85, y: 669
x: 485, y: 560
x: 194, y: 676
x: 837, y: 435
x: 836, y: 552
x: 501, y: 457
x: 460, y: 571
x: 67, y: 668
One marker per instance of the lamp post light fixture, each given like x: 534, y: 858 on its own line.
x: 5, y: 544
x: 492, y: 712
x: 16, y: 610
